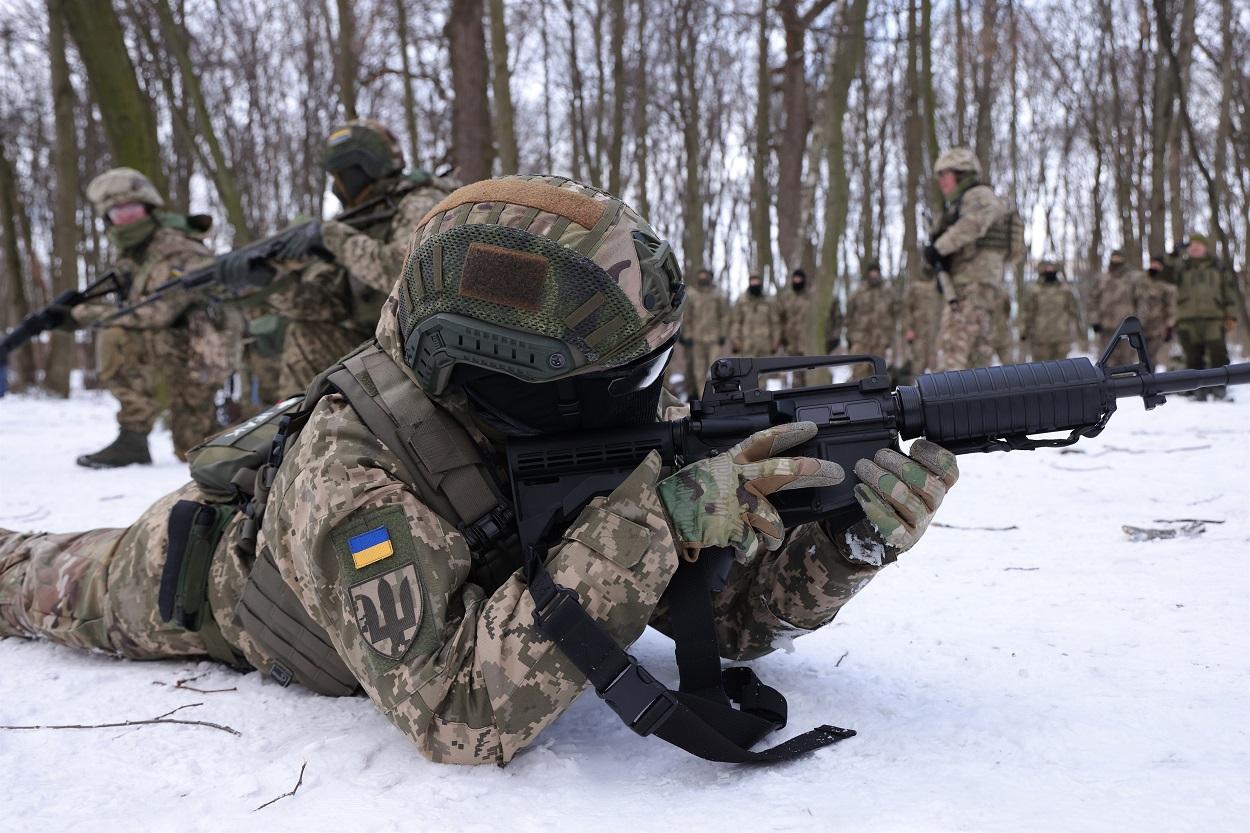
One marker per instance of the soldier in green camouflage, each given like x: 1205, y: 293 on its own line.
x: 756, y: 326
x: 969, y: 246
x: 871, y: 318
x: 1158, y: 312
x: 1049, y: 316
x: 705, y: 328
x: 176, y: 343
x: 922, y: 312
x: 321, y: 310
x: 388, y: 580
x: 1204, y: 305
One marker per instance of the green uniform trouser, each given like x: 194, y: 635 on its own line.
x: 96, y: 589
x: 1202, y: 341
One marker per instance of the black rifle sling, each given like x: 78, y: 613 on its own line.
x: 703, y: 722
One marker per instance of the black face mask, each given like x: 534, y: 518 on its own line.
x: 1050, y: 277
x: 1154, y: 270
x: 799, y: 285
x: 615, y: 398
x: 756, y: 289
x: 350, y: 183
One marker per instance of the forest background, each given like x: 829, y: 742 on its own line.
x: 757, y: 135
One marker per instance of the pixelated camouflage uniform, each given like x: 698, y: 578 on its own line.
x: 477, y: 683
x: 1204, y: 301
x: 966, y: 333
x: 1049, y: 318
x: 705, y: 329
x: 871, y: 318
x: 1158, y: 315
x: 175, y: 341
x: 922, y: 310
x: 1119, y: 292
x: 756, y: 326
x: 794, y: 321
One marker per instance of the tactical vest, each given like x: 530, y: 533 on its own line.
x: 439, y: 462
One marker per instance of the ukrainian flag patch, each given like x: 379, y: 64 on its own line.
x: 370, y: 547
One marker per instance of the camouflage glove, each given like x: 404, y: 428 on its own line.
x: 899, y: 494
x: 723, y: 501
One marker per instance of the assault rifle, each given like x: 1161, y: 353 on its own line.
x: 983, y: 409
x: 53, y: 315
x: 254, y: 258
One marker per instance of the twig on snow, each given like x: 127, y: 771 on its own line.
x: 159, y: 719
x: 975, y: 528
x: 294, y: 789
x: 839, y: 662
x: 182, y: 684
x: 1187, y: 521
x: 1021, y: 569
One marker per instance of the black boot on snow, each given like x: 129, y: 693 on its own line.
x: 129, y: 448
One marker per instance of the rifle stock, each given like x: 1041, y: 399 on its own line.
x: 982, y: 409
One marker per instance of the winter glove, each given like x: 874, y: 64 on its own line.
x: 932, y: 256
x: 723, y: 501
x: 302, y: 242
x: 59, y: 315
x: 899, y: 494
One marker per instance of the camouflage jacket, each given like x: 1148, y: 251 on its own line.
x: 374, y: 255
x: 706, y: 318
x: 960, y: 232
x: 1203, y: 288
x: 168, y: 252
x: 922, y: 310
x: 1158, y: 308
x: 1118, y: 293
x: 457, y: 668
x: 871, y: 315
x: 1049, y: 313
x: 756, y: 329
x: 795, y: 311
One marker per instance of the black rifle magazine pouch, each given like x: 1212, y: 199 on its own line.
x: 194, y: 531
x: 299, y: 649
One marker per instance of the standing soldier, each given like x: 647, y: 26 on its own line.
x: 871, y: 313
x: 922, y: 311
x: 795, y: 308
x: 323, y: 310
x: 1118, y: 293
x: 1159, y: 310
x: 969, y: 245
x: 756, y: 328
x: 1204, y: 306
x: 1049, y: 315
x: 173, y: 340
x: 705, y: 330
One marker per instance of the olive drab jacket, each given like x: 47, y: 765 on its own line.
x: 1204, y: 288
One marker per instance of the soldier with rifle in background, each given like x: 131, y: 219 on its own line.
x: 1205, y: 310
x: 176, y: 343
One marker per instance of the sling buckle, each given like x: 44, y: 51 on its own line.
x: 639, y: 699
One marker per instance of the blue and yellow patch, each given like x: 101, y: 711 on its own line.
x: 370, y: 547
x: 339, y: 136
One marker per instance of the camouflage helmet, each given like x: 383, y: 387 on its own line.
x: 537, y: 277
x: 958, y: 159
x: 1199, y: 237
x: 364, y: 142
x: 119, y: 186
x: 1047, y: 266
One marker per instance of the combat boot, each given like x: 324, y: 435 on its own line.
x: 130, y: 447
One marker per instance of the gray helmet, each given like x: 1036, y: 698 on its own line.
x: 958, y: 159
x: 539, y: 278
x: 119, y: 186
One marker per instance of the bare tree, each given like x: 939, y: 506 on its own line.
x: 470, y: 110
x: 501, y: 81
x: 64, y: 222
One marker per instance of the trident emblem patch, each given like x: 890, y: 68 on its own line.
x: 388, y: 610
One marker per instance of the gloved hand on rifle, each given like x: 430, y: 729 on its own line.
x: 899, y: 495
x: 722, y: 501
x: 238, y: 272
x: 302, y: 242
x: 932, y: 256
x: 59, y: 315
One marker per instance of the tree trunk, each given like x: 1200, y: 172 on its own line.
x: 761, y: 195
x: 345, y: 63
x: 913, y: 142
x: 64, y: 217
x: 21, y: 361
x: 410, y: 99
x: 930, y: 104
x: 842, y: 71
x: 694, y: 234
x: 470, y: 109
x: 617, y: 140
x: 125, y: 109
x: 1176, y: 142
x: 985, y: 87
x: 961, y: 77
x: 501, y: 82
x: 1163, y: 105
x: 223, y: 176
x: 641, y: 96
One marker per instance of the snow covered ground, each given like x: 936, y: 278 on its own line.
x: 1052, y: 675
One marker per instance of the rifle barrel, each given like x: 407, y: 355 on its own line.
x: 1180, y: 381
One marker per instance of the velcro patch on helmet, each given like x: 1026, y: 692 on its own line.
x: 504, y: 276
x: 579, y: 208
